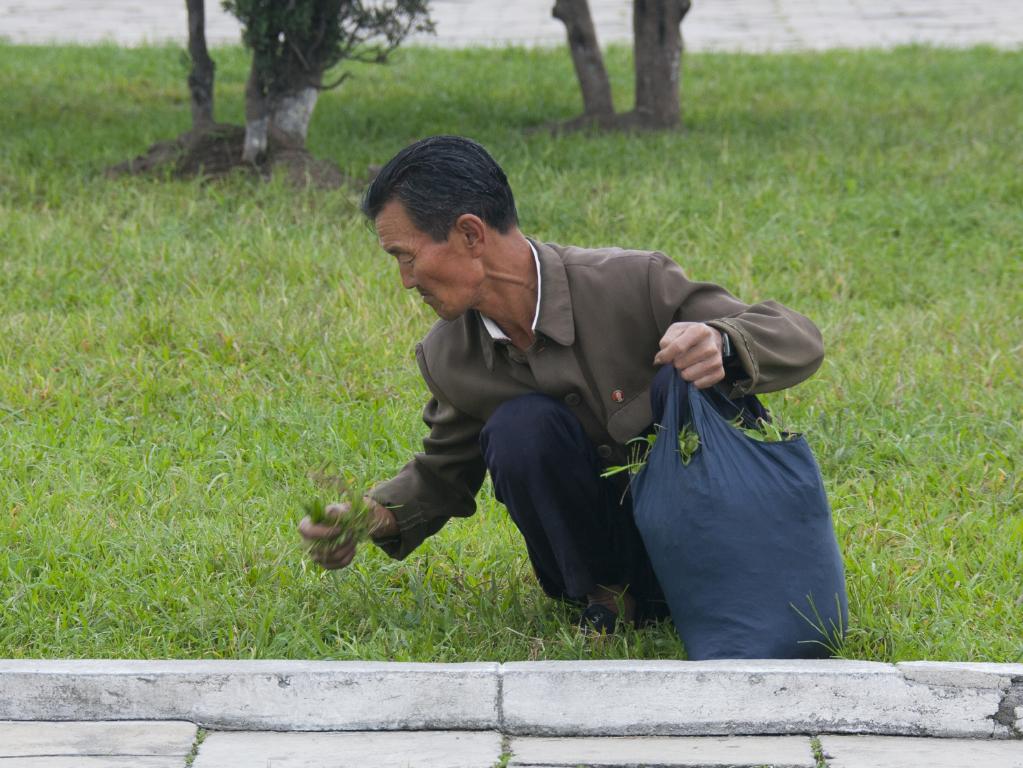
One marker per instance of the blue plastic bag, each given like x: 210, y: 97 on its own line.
x: 740, y: 538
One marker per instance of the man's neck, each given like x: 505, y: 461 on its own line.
x: 510, y: 289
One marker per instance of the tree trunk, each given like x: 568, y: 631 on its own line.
x: 658, y: 55
x: 257, y: 118
x: 291, y: 114
x: 283, y: 117
x: 587, y: 58
x: 200, y: 79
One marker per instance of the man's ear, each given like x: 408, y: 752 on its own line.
x: 470, y: 231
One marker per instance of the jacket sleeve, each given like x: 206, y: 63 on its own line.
x: 440, y: 482
x: 777, y: 347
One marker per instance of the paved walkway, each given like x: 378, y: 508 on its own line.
x: 173, y: 744
x: 712, y: 25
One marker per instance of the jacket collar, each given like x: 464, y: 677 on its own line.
x: 555, y: 320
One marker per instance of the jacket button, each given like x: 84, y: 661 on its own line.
x: 572, y: 399
x: 604, y: 451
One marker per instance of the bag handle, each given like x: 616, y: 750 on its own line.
x: 720, y: 403
x: 679, y: 411
x: 700, y: 410
x: 688, y: 406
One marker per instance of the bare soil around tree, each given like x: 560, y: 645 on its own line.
x: 217, y: 152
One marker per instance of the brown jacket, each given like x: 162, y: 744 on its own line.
x: 602, y: 314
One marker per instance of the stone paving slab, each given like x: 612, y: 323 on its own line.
x: 664, y: 752
x: 741, y: 698
x: 906, y: 752
x: 53, y: 739
x: 426, y: 749
x: 92, y: 761
x: 711, y: 25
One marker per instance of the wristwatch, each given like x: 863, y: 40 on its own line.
x: 727, y: 353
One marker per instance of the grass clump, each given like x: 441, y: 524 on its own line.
x: 355, y: 523
x: 762, y: 431
x: 639, y: 453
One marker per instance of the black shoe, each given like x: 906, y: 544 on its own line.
x: 598, y: 620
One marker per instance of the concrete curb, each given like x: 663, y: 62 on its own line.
x: 652, y: 698
x: 256, y: 695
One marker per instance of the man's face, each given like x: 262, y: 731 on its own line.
x: 447, y: 274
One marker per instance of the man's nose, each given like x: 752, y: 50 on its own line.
x: 408, y: 278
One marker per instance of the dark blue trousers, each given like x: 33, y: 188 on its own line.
x: 578, y: 526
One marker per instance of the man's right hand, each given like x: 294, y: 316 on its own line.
x: 334, y: 552
x: 325, y: 546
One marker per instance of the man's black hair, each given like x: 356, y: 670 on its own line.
x: 440, y: 178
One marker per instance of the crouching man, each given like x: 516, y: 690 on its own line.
x: 545, y: 361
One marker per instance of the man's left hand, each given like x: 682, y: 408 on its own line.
x: 695, y: 350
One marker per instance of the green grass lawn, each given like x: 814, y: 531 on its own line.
x: 175, y: 358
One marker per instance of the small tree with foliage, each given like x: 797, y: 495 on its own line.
x: 295, y: 43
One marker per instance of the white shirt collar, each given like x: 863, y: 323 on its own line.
x: 493, y: 329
